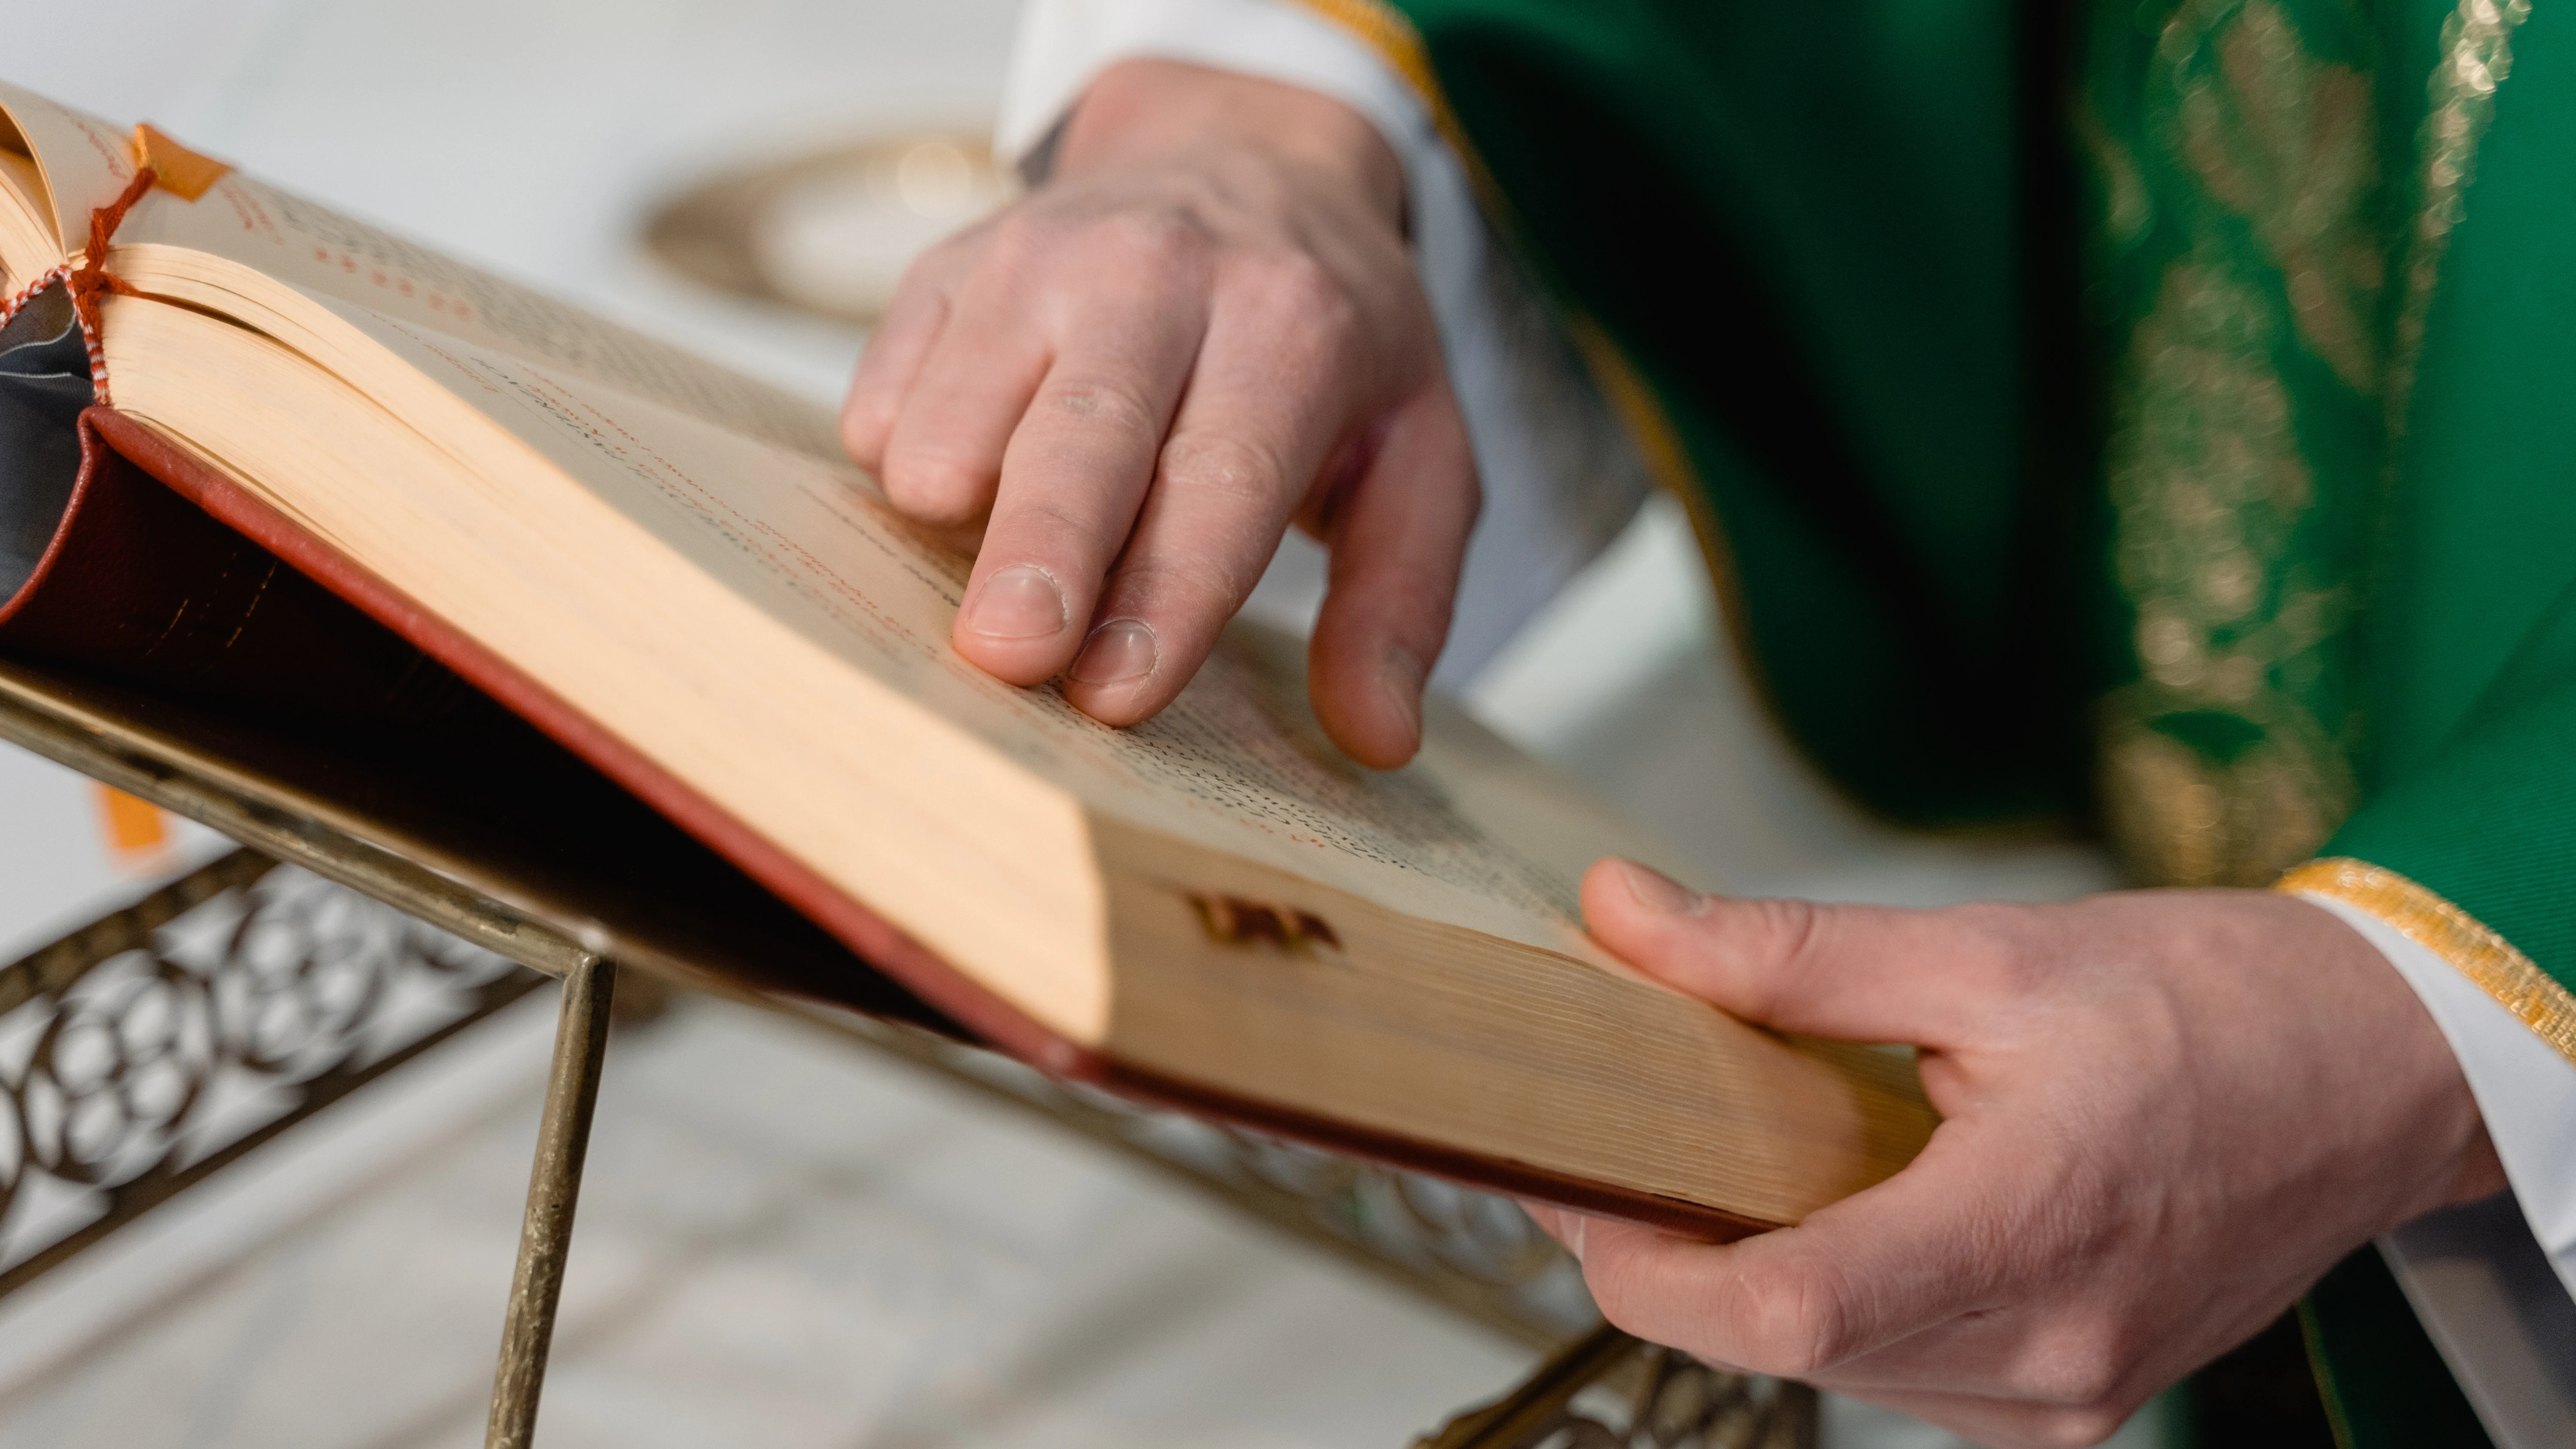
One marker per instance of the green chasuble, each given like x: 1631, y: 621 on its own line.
x: 2146, y: 413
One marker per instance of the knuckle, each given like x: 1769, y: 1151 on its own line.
x: 1398, y: 597
x: 1048, y: 516
x: 1315, y: 326
x: 2078, y: 1368
x: 1293, y: 285
x: 1787, y: 935
x: 1622, y: 1287
x: 1157, y: 238
x: 1796, y: 928
x: 1103, y: 403
x: 2081, y: 1387
x: 1792, y: 1324
x: 1225, y: 463
x: 1995, y: 938
x: 1186, y: 586
x: 1053, y: 528
x: 2080, y: 1428
x: 1420, y: 610
x: 1018, y: 237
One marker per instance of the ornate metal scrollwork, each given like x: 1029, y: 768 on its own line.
x: 154, y: 1046
x: 1606, y: 1390
x: 1473, y: 1251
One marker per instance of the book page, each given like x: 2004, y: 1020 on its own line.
x: 748, y: 483
x: 277, y: 234
x: 84, y: 162
x: 27, y: 249
x: 317, y: 250
x: 1236, y: 764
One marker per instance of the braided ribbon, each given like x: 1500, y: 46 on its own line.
x: 88, y: 281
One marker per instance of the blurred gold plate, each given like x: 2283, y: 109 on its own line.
x: 830, y: 233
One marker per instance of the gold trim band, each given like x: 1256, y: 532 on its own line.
x: 2477, y: 952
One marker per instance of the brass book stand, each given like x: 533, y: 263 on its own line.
x: 549, y: 867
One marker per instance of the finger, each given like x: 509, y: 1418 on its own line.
x: 1911, y: 1254
x: 895, y: 351
x: 1075, y: 473
x: 1398, y: 539
x: 1264, y: 405
x: 1988, y: 1359
x: 942, y: 457
x: 1860, y: 973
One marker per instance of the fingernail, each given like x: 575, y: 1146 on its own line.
x: 1659, y: 892
x: 1019, y: 602
x: 1400, y: 674
x: 1117, y: 652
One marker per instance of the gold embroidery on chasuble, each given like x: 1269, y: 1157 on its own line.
x: 2258, y: 402
x: 2218, y: 771
x: 2228, y: 759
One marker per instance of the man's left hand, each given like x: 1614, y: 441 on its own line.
x: 2165, y: 1115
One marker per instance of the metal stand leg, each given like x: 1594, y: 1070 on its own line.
x: 581, y: 1043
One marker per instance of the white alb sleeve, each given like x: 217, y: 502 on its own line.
x: 1560, y: 476
x: 2495, y: 1282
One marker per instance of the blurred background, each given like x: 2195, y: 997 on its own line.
x: 784, y: 1242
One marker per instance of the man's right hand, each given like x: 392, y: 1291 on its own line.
x: 1204, y: 326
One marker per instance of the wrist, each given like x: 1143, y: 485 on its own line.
x: 1140, y: 114
x: 2460, y: 1164
x: 2481, y: 1171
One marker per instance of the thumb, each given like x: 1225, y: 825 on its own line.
x: 1858, y: 973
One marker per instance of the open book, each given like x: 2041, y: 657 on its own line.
x: 673, y: 571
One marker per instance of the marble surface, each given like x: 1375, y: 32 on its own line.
x: 784, y: 1242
